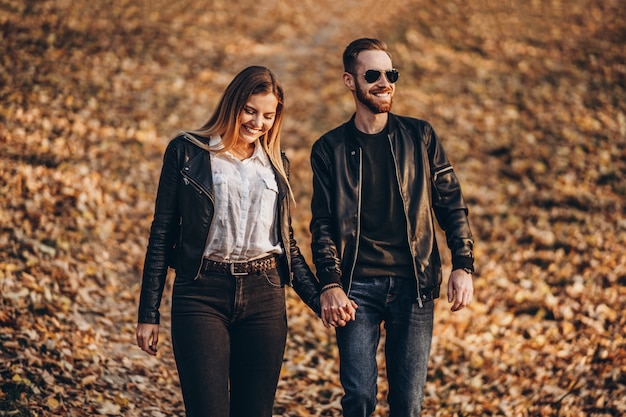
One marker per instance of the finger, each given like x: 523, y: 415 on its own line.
x: 155, y: 340
x: 353, y: 307
x: 326, y: 314
x: 464, y: 299
x: 345, y: 313
x: 330, y: 318
x: 461, y: 301
x: 151, y: 341
x: 353, y: 315
x: 142, y: 341
x: 352, y: 310
x: 467, y: 299
x: 146, y: 347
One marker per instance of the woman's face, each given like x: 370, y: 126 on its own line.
x: 257, y: 117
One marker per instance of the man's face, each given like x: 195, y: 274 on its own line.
x: 377, y: 96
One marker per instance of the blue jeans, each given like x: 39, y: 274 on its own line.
x: 409, y: 330
x: 228, y: 335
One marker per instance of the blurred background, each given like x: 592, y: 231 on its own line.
x: 528, y: 98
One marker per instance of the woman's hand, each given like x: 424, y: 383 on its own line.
x: 148, y: 337
x: 337, y: 308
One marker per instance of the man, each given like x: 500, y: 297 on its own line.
x: 377, y: 182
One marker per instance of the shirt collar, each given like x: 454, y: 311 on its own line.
x: 215, y: 142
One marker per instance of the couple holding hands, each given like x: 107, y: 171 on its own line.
x: 222, y: 220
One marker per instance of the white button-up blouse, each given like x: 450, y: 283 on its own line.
x: 246, y: 195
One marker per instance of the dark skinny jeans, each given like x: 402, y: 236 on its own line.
x: 229, y: 335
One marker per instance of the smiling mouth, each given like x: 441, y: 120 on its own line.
x: 251, y: 130
x: 382, y: 94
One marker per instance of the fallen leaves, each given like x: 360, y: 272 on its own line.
x: 527, y: 98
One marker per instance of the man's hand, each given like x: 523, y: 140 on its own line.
x: 337, y: 308
x: 460, y: 289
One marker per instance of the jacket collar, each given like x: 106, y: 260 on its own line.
x: 392, y: 124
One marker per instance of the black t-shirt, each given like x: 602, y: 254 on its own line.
x: 383, y: 245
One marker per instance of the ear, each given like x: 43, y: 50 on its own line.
x: 349, y: 81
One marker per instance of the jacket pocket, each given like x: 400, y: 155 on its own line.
x: 435, y: 177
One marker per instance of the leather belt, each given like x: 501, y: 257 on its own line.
x: 239, y: 268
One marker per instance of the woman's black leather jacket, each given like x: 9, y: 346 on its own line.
x: 427, y: 185
x: 180, y: 228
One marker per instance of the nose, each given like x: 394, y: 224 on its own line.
x: 382, y: 80
x: 257, y: 120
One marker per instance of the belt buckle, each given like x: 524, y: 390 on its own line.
x: 236, y: 274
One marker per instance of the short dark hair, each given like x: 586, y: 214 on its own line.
x: 352, y: 51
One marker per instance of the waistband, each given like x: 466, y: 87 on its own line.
x: 239, y: 268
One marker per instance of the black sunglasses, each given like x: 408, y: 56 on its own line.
x: 371, y: 76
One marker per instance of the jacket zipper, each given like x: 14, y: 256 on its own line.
x: 441, y: 171
x: 187, y: 179
x: 406, y: 217
x: 286, y: 246
x: 358, y: 222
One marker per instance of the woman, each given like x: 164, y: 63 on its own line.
x: 222, y: 221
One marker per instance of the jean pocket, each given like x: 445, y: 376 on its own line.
x: 272, y: 278
x: 180, y: 282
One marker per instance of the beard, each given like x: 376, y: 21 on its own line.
x: 366, y: 98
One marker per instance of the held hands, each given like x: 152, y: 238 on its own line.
x: 148, y: 337
x: 460, y: 289
x: 337, y: 308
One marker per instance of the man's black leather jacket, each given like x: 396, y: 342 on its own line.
x: 180, y: 228
x: 427, y: 185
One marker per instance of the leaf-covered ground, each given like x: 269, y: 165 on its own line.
x: 528, y: 96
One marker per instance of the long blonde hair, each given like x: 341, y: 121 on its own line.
x: 224, y: 121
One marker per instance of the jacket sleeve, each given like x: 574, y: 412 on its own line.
x: 323, y: 244
x: 162, y: 238
x: 302, y: 279
x: 448, y: 204
x: 304, y: 282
